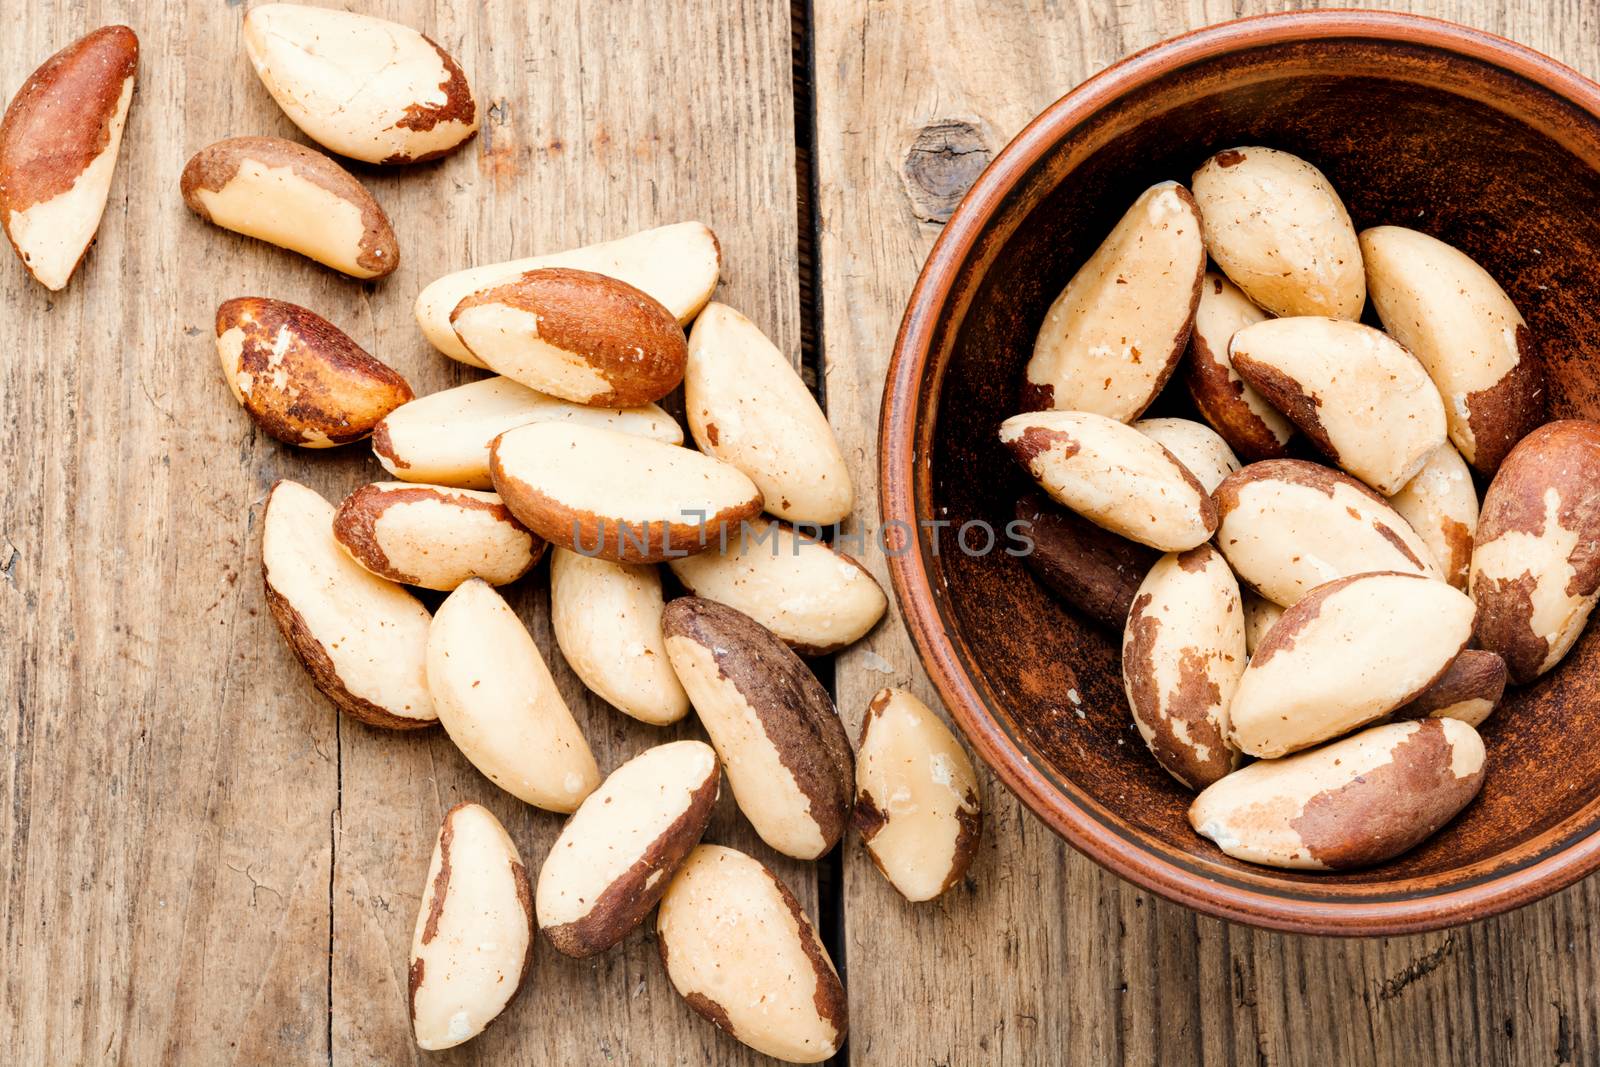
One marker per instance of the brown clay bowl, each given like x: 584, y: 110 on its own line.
x: 1484, y: 143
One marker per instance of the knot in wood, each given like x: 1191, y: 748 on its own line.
x: 944, y: 160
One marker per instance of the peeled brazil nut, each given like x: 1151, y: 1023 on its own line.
x: 1344, y: 655
x: 360, y: 86
x: 1470, y: 690
x: 677, y: 265
x: 814, y: 598
x: 290, y: 196
x: 741, y: 952
x: 1441, y: 504
x: 785, y: 751
x: 1461, y: 325
x: 1535, y: 571
x: 1195, y: 445
x: 1287, y: 526
x: 1114, y: 476
x: 1115, y: 334
x: 474, y: 935
x: 1260, y: 615
x: 607, y: 621
x: 1352, y: 803
x: 576, y: 335
x: 747, y: 406
x: 1251, y: 426
x: 59, y: 143
x: 362, y: 639
x: 918, y: 807
x: 434, y: 536
x: 1182, y: 654
x: 617, y: 854
x: 499, y: 704
x: 619, y: 497
x: 300, y: 377
x: 1092, y: 569
x: 1358, y: 395
x: 444, y: 437
x: 1279, y: 231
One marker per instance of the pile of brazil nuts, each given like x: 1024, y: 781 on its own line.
x: 563, y: 450
x: 1309, y: 645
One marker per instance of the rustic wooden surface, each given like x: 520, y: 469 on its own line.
x: 203, y: 865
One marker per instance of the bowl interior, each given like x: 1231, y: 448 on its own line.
x: 1410, y: 133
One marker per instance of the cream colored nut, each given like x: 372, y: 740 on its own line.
x: 607, y: 621
x: 815, y: 599
x: 434, y: 536
x: 1115, y: 334
x: 918, y: 806
x: 1535, y: 571
x: 617, y: 854
x: 474, y: 935
x: 1260, y: 615
x: 785, y: 752
x: 499, y: 704
x: 362, y: 639
x: 1287, y: 526
x: 1251, y: 426
x: 1352, y: 803
x: 360, y: 86
x: 1470, y: 690
x: 740, y: 950
x: 58, y: 150
x: 300, y: 377
x: 677, y: 265
x: 1347, y: 654
x: 1195, y: 445
x: 748, y: 407
x: 1361, y: 398
x: 288, y: 195
x: 615, y: 496
x: 1279, y: 231
x: 1464, y: 329
x: 1092, y: 569
x: 1441, y: 504
x: 1182, y: 654
x: 577, y: 335
x: 1114, y: 476
x: 443, y: 438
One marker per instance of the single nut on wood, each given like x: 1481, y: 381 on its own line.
x: 1115, y: 334
x: 473, y: 941
x: 1362, y: 398
x: 918, y: 806
x: 1195, y: 445
x: 1461, y: 325
x: 1287, y: 526
x: 1092, y: 569
x: 1260, y: 615
x: 59, y: 143
x: 1114, y: 476
x: 1345, y: 655
x: 740, y: 950
x: 499, y: 704
x: 607, y: 621
x: 362, y: 639
x: 443, y: 438
x: 360, y: 86
x: 617, y: 854
x: 1535, y: 571
x: 576, y: 335
x: 1279, y: 231
x: 1352, y: 803
x: 1441, y: 504
x: 1252, y: 427
x: 787, y: 756
x: 615, y: 496
x: 1470, y: 690
x: 748, y: 407
x: 434, y: 536
x: 1182, y: 654
x: 677, y: 265
x: 300, y: 377
x: 288, y: 195
x: 815, y: 599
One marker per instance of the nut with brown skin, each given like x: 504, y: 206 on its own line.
x: 1260, y: 615
x: 1092, y: 569
x: 1252, y: 427
x: 1195, y: 445
x: 1441, y: 504
x: 1470, y: 690
x: 434, y: 536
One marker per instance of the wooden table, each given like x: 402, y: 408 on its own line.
x: 203, y: 864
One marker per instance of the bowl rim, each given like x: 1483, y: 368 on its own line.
x: 898, y: 479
